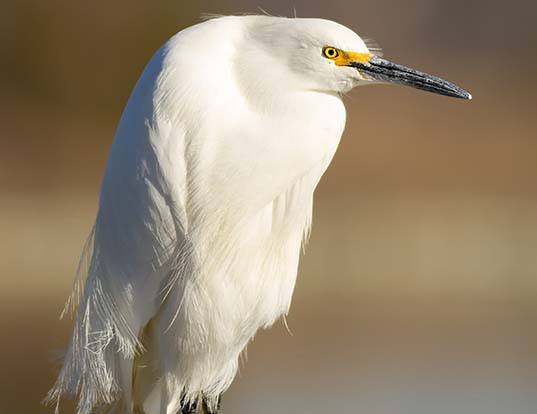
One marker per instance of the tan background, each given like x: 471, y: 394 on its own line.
x: 418, y: 293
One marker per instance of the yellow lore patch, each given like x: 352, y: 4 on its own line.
x: 346, y: 58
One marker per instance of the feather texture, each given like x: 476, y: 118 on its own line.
x: 205, y: 203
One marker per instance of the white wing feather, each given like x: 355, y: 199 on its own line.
x: 190, y: 254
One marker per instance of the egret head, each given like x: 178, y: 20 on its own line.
x: 322, y: 55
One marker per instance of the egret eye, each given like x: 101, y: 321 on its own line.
x: 330, y: 52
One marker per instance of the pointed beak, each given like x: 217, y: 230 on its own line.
x: 378, y: 69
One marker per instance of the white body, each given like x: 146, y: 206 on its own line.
x: 205, y: 203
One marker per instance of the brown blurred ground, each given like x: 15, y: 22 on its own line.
x: 418, y: 293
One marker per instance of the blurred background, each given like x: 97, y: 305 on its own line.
x: 418, y: 293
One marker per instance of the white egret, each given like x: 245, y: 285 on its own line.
x: 205, y: 203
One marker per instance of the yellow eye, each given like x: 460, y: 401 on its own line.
x: 330, y: 52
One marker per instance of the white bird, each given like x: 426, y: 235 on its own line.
x: 205, y: 203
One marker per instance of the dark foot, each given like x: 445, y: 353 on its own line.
x: 200, y: 407
x: 189, y: 408
x: 205, y: 409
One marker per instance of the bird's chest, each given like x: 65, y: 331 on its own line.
x: 261, y: 155
x: 262, y: 275
x: 255, y: 204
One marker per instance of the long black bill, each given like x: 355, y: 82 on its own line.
x: 385, y: 71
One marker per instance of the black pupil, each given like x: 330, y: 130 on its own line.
x: 331, y: 52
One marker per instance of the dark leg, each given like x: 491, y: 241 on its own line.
x: 189, y: 408
x: 205, y: 409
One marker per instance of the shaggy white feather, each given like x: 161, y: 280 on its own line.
x: 206, y: 200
